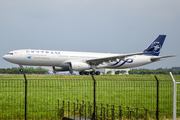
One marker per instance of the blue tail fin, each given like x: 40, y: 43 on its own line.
x: 155, y: 46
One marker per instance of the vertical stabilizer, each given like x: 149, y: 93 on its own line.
x: 155, y: 46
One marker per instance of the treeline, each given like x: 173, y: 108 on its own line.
x: 30, y: 70
x: 154, y: 71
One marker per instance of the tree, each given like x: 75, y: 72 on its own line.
x: 122, y: 72
x: 154, y: 71
x: 30, y: 70
x: 117, y: 72
x: 71, y: 72
x: 134, y: 71
x: 109, y: 72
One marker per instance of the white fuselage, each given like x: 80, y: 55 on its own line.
x: 60, y: 58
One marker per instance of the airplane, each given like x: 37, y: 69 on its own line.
x: 83, y: 61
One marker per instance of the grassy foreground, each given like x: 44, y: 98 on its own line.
x: 134, y: 91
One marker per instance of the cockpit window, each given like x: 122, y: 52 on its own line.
x: 9, y: 53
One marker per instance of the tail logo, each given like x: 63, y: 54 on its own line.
x: 156, y: 46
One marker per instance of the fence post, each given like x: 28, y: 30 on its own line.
x: 137, y: 113
x: 58, y: 107
x: 74, y: 110
x: 77, y: 103
x: 112, y: 113
x: 146, y: 112
x: 104, y: 113
x: 80, y: 111
x: 25, y: 96
x: 85, y: 111
x: 107, y: 110
x: 174, y: 96
x: 128, y: 112
x: 120, y: 114
x: 101, y: 110
x: 157, y: 111
x: 93, y: 116
x: 68, y: 109
x: 89, y: 109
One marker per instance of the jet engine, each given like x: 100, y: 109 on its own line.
x: 79, y: 66
x: 55, y: 68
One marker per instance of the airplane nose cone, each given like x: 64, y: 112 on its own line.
x: 9, y: 58
x: 4, y: 57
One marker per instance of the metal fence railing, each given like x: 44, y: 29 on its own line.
x: 176, y: 99
x: 116, y: 98
x: 84, y: 109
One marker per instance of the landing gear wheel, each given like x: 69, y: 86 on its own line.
x: 92, y: 73
x: 21, y: 70
x: 81, y: 73
x: 97, y: 73
x: 86, y: 73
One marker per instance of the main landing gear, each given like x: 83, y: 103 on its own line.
x: 87, y: 73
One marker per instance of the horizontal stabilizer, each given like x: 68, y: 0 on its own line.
x: 154, y: 59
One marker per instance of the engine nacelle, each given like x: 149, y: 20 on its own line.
x: 79, y: 66
x: 55, y: 68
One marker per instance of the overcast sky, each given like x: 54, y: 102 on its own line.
x: 115, y: 26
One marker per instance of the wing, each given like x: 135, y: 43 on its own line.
x: 98, y: 61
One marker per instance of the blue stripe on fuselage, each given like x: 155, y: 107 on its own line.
x: 126, y: 61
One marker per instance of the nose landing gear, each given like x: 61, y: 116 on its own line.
x: 21, y: 70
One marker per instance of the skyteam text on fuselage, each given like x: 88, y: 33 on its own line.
x: 81, y: 61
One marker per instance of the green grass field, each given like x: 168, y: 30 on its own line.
x: 44, y: 91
